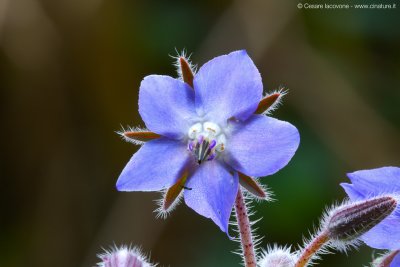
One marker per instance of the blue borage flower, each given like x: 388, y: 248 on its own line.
x: 206, y: 137
x: 375, y: 182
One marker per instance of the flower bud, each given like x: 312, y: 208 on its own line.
x: 123, y: 257
x: 348, y: 222
x: 277, y: 257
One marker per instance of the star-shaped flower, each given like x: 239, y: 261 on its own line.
x: 376, y: 182
x: 205, y: 137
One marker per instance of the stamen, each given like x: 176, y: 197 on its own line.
x: 212, y: 156
x: 212, y: 144
x: 205, y: 139
x: 197, y: 146
x: 205, y: 150
x: 190, y: 145
x: 200, y: 139
x: 221, y: 143
x: 204, y: 147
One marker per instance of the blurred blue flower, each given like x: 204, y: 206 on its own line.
x: 209, y: 133
x: 375, y: 182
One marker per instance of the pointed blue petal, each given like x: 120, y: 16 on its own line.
x: 386, y: 235
x: 213, y: 192
x: 156, y: 165
x: 166, y: 105
x: 396, y: 261
x: 261, y: 145
x: 376, y: 181
x: 352, y: 192
x: 228, y: 86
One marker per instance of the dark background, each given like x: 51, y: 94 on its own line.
x: 69, y: 77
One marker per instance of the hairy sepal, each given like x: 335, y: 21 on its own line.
x: 137, y: 136
x: 271, y: 102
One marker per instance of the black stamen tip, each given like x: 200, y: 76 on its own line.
x: 187, y: 188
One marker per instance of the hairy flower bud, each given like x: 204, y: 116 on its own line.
x: 348, y: 222
x: 277, y: 257
x: 378, y: 182
x: 123, y: 257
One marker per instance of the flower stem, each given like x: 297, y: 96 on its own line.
x: 312, y: 248
x: 388, y: 258
x: 244, y: 225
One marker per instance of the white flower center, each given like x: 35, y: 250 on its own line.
x: 206, y: 139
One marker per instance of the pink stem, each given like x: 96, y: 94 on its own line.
x: 311, y: 249
x: 388, y: 259
x: 244, y: 225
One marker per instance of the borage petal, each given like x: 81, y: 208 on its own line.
x: 166, y: 105
x: 261, y: 145
x: 352, y: 192
x: 376, y: 181
x: 213, y: 192
x: 157, y: 165
x: 228, y: 86
x: 396, y: 261
x: 385, y: 235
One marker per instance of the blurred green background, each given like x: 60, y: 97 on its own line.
x: 70, y: 72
